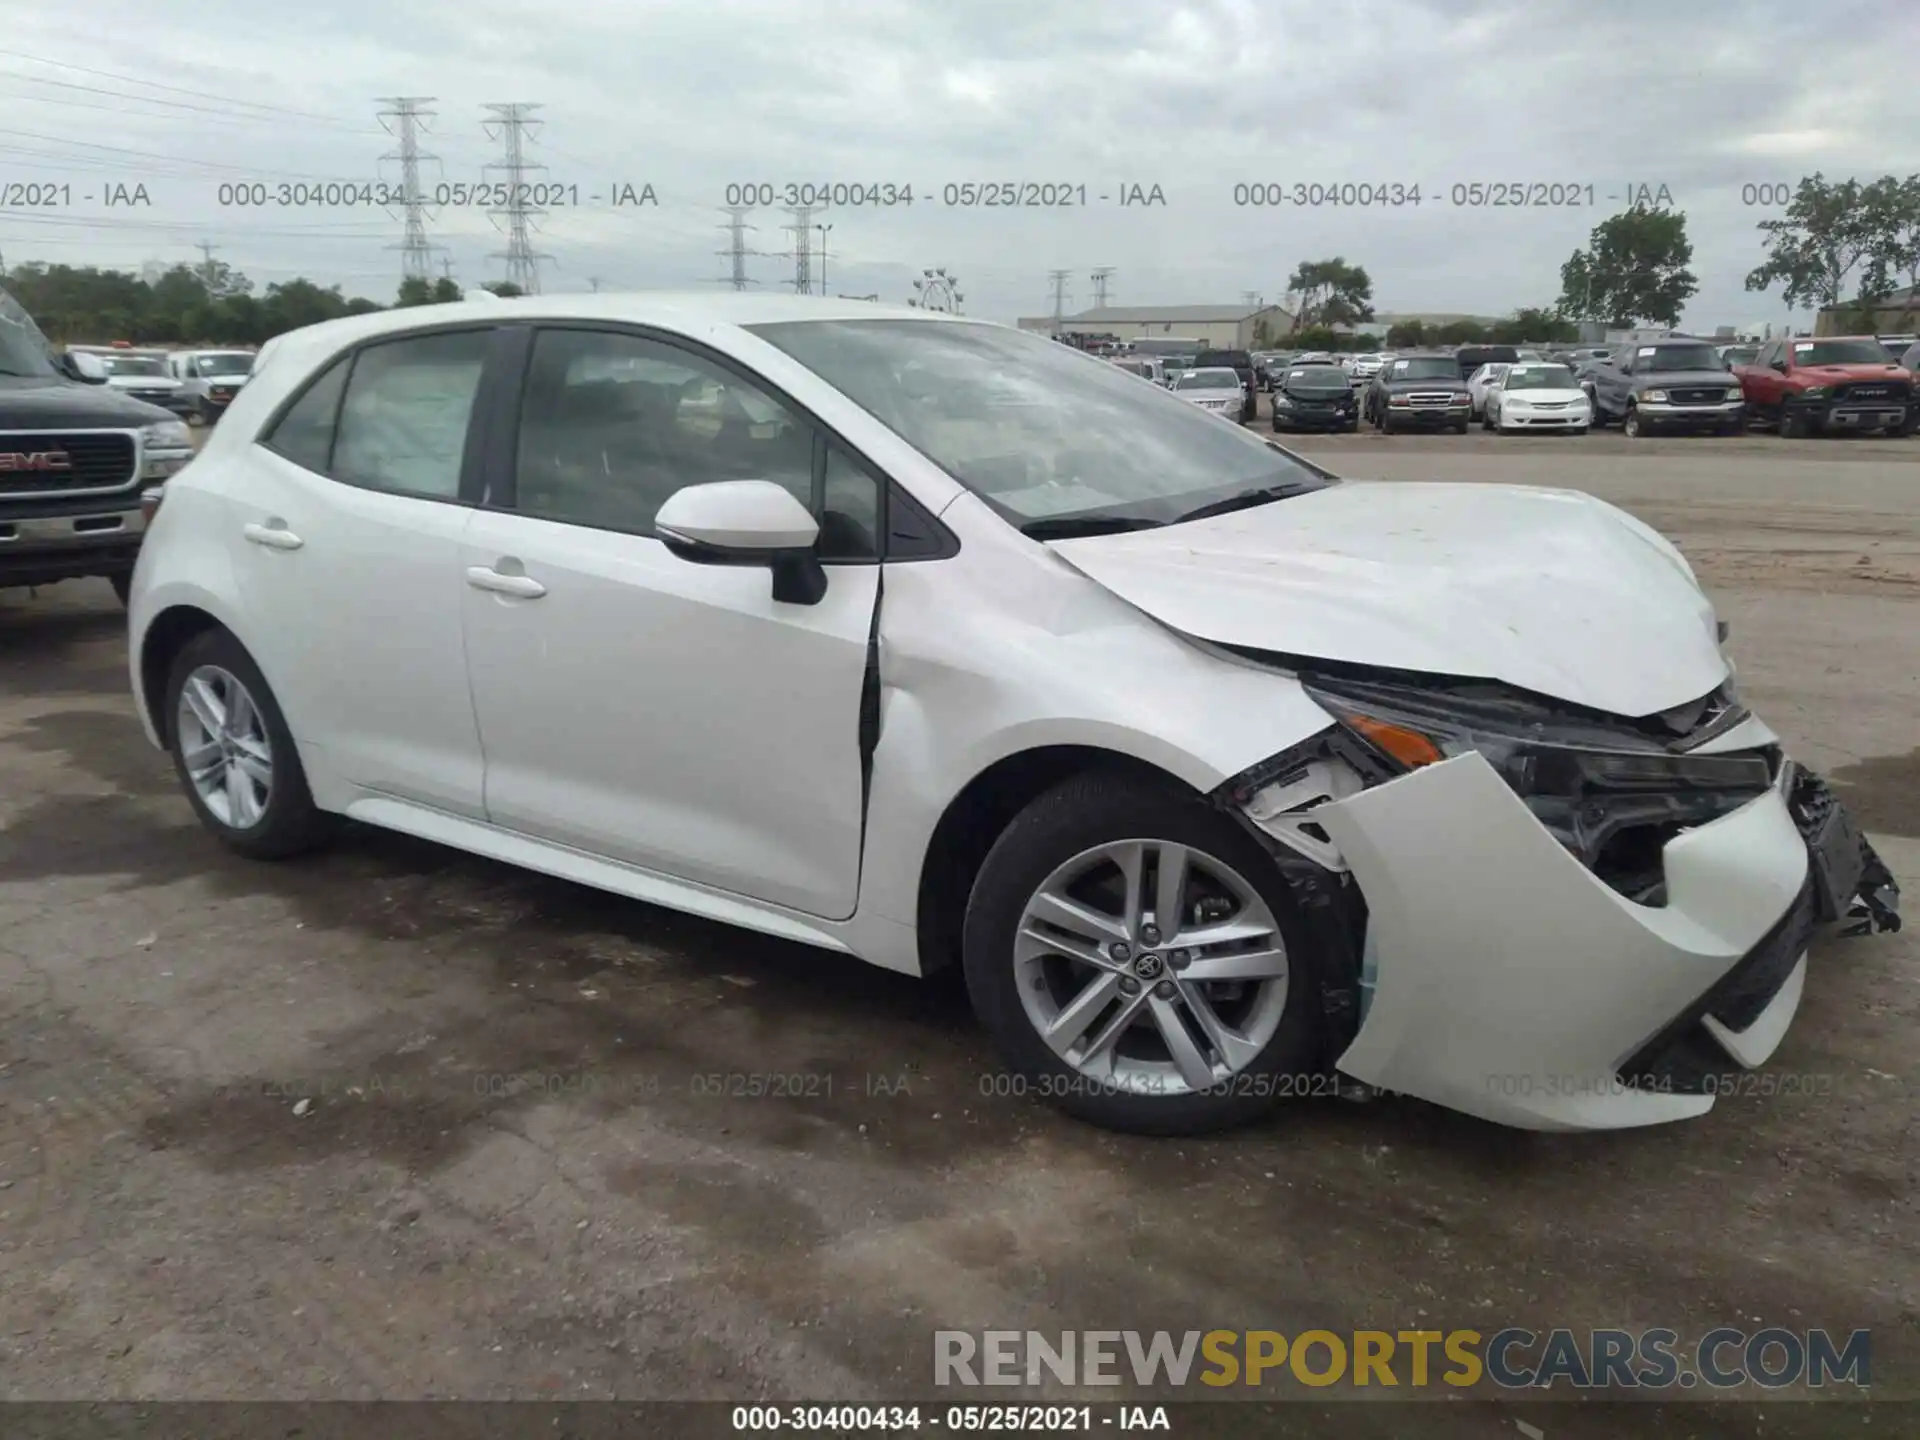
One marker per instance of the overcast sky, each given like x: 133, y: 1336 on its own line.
x: 690, y: 96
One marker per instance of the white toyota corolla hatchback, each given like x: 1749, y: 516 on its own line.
x: 930, y: 641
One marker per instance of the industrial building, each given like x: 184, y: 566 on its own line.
x: 1218, y: 327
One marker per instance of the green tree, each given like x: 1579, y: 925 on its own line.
x: 1331, y: 292
x: 414, y: 290
x: 1533, y: 323
x: 1634, y: 269
x: 1461, y: 332
x: 506, y: 289
x: 1317, y: 337
x: 447, y: 289
x: 1407, y: 335
x: 1815, y: 250
x: 1891, y: 219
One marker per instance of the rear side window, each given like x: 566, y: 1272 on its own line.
x: 304, y: 434
x: 403, y: 422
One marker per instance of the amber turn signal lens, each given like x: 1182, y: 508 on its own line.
x: 1409, y: 747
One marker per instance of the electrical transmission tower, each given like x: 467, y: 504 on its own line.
x: 1058, y: 279
x: 403, y: 119
x: 510, y: 125
x: 209, y: 274
x: 1100, y: 278
x: 802, y: 229
x: 736, y: 228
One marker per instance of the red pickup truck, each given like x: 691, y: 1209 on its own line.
x: 1833, y: 383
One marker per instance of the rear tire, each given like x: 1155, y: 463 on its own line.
x: 1242, y: 1040
x: 1792, y: 427
x: 233, y: 752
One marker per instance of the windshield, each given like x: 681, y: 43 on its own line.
x: 1209, y: 380
x: 236, y: 364
x: 1680, y: 357
x: 1425, y: 367
x: 23, y: 349
x: 1317, y: 377
x: 1839, y: 352
x: 1539, y: 377
x: 1036, y: 432
x: 133, y: 365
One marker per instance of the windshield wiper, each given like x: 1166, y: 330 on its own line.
x: 1068, y: 527
x: 1246, y: 500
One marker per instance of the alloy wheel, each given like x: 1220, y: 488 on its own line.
x: 224, y: 747
x: 1151, y: 967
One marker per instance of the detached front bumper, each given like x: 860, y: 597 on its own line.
x: 1515, y: 985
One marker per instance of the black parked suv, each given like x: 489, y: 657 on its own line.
x: 75, y: 457
x: 1419, y: 392
x: 1241, y: 363
x: 1471, y: 357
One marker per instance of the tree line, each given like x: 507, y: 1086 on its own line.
x: 192, y: 304
x: 1844, y: 245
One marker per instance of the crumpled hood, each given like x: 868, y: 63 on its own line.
x: 1552, y: 591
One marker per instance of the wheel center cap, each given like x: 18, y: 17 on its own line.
x: 1149, y: 966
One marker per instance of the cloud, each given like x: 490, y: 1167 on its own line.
x: 1196, y: 96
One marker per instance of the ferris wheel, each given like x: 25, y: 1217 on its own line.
x: 937, y: 290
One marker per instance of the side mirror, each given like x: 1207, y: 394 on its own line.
x: 90, y: 369
x: 1779, y: 365
x: 747, y: 522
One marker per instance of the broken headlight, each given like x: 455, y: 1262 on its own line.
x: 1535, y: 756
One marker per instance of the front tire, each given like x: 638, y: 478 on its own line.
x: 1792, y: 427
x: 1140, y: 960
x: 233, y: 752
x: 1630, y: 425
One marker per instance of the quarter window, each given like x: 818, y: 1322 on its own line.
x: 403, y: 423
x: 612, y: 424
x: 304, y: 434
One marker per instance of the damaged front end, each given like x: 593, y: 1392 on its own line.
x: 1596, y: 981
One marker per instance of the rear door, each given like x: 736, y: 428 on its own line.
x: 643, y: 708
x: 347, y: 547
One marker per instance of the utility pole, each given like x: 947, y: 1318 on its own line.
x: 736, y: 251
x: 208, y: 275
x: 825, y: 230
x: 1100, y: 278
x: 1058, y: 279
x: 593, y: 283
x: 510, y: 125
x: 802, y: 229
x: 416, y: 255
x: 446, y: 266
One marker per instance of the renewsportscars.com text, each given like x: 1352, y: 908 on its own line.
x: 1512, y: 1358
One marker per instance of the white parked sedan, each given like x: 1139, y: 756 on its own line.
x: 1215, y: 389
x: 1480, y: 382
x: 1537, y: 397
x: 931, y: 641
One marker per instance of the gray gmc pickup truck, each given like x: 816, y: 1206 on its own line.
x: 76, y: 457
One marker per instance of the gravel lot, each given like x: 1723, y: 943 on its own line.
x: 507, y: 1180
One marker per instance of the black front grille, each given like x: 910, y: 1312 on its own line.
x: 37, y: 462
x: 1699, y: 397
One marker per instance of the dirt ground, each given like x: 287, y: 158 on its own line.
x: 397, y: 1123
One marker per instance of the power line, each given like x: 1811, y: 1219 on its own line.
x: 416, y: 255
x: 511, y: 124
x: 170, y: 89
x: 736, y: 251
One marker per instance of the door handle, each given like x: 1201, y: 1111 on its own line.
x: 523, y: 586
x: 274, y: 535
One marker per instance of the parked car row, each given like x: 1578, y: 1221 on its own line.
x: 196, y: 385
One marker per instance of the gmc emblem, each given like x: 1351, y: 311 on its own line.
x: 35, y: 460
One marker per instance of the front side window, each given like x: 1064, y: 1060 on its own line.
x: 612, y: 424
x: 1038, y: 432
x: 403, y: 422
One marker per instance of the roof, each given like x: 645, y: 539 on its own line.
x: 687, y: 312
x: 1157, y: 314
